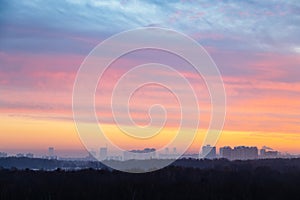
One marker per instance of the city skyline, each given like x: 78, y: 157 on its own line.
x: 207, y: 152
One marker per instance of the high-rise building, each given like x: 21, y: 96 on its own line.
x: 51, y: 153
x: 145, y: 154
x: 268, y: 153
x: 239, y: 153
x: 169, y: 154
x: 103, y: 153
x: 244, y: 153
x: 208, y: 152
x: 225, y: 152
x: 174, y: 150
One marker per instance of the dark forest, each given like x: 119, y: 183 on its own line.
x: 218, y: 179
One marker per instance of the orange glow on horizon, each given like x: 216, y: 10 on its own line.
x: 40, y: 134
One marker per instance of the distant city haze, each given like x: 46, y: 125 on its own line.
x: 208, y: 152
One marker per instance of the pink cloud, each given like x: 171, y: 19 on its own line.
x: 42, y: 84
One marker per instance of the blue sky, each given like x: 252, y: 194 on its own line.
x: 230, y: 25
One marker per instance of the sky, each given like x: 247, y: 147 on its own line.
x: 255, y: 44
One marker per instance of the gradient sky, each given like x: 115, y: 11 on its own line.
x: 255, y: 44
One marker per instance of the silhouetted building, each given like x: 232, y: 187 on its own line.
x: 51, y: 153
x: 239, y: 153
x: 103, y: 153
x: 169, y: 155
x: 174, y: 150
x: 225, y: 152
x: 208, y: 152
x: 244, y: 153
x: 147, y: 153
x: 268, y: 153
